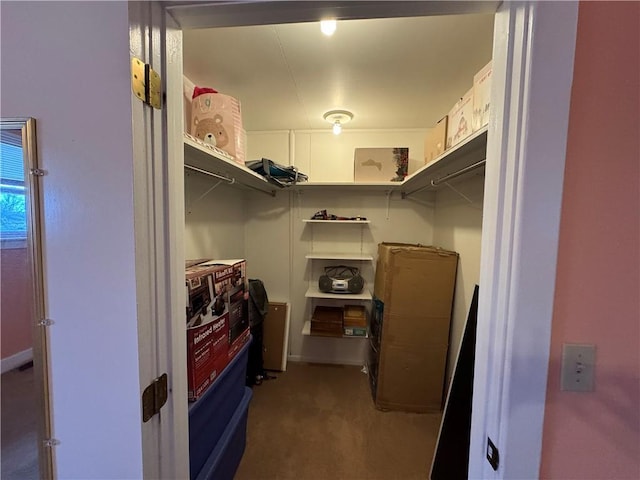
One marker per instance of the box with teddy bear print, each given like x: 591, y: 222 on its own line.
x: 216, y: 120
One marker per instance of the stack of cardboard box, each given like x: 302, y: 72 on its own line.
x: 217, y: 322
x: 469, y: 114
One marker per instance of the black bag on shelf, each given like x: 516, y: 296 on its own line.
x: 279, y: 175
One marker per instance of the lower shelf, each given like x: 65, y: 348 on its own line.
x: 306, y: 330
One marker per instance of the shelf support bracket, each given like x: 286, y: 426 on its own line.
x: 389, y: 193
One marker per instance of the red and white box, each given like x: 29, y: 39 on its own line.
x: 216, y: 294
x: 482, y: 96
x: 230, y: 279
x: 459, y: 120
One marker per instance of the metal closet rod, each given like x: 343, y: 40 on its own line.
x: 438, y: 181
x: 214, y: 175
x: 231, y: 181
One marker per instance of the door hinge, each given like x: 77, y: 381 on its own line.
x: 154, y: 397
x: 37, y: 172
x: 146, y: 83
x: 51, y: 442
x: 45, y: 322
x: 493, y: 455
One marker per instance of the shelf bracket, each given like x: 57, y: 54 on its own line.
x: 388, y: 193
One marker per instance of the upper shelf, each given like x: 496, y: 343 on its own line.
x: 213, y: 161
x: 468, y: 152
x: 306, y: 220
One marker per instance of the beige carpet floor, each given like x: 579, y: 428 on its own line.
x: 318, y: 422
x: 19, y: 431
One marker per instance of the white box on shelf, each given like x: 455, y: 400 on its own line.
x: 459, y: 120
x: 482, y: 96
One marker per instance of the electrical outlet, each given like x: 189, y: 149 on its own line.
x: 578, y: 365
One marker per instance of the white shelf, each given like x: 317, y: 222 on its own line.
x: 314, y: 292
x: 465, y: 154
x: 335, y: 221
x: 339, y: 256
x: 213, y: 161
x: 306, y: 330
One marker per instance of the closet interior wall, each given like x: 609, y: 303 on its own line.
x: 270, y: 234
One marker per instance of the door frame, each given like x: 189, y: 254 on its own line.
x: 533, y: 52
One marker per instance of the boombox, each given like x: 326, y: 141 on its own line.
x: 341, y: 279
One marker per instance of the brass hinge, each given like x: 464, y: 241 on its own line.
x: 154, y: 397
x: 146, y: 83
x: 37, y: 172
x: 51, y: 442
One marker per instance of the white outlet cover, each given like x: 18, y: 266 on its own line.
x: 578, y: 368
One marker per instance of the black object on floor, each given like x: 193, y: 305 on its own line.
x: 258, y: 309
x: 451, y: 459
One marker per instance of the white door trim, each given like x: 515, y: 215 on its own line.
x: 159, y: 227
x: 534, y: 46
x: 533, y: 68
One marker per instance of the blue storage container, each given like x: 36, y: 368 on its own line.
x: 223, y: 462
x: 210, y: 415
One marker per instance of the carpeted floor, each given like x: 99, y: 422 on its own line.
x: 319, y: 422
x: 19, y: 434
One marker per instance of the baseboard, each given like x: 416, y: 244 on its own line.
x: 16, y: 360
x: 305, y: 359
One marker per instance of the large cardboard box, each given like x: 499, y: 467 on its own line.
x: 216, y: 319
x: 459, y: 120
x: 411, y: 378
x: 413, y: 289
x: 380, y: 164
x: 482, y: 96
x: 435, y: 141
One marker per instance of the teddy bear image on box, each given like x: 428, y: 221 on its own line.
x: 216, y: 120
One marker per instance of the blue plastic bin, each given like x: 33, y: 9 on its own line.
x: 223, y: 462
x: 210, y: 415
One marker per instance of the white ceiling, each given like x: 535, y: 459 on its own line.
x: 390, y: 72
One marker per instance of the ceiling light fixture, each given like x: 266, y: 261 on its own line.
x: 338, y: 118
x: 328, y: 27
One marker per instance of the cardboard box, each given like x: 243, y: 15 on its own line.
x: 216, y: 119
x: 459, y: 120
x: 327, y: 321
x: 211, y: 315
x: 380, y: 164
x: 207, y: 355
x: 411, y: 379
x: 354, y: 316
x: 413, y: 289
x: 482, y: 96
x: 435, y: 141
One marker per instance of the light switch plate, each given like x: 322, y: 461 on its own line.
x: 578, y: 368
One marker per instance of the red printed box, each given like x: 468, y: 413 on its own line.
x: 216, y: 290
x: 207, y: 354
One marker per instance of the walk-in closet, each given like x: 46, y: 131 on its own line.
x: 395, y: 79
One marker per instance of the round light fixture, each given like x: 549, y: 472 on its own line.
x: 328, y: 26
x: 338, y: 118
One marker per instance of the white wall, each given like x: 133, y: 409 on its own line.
x: 326, y: 157
x: 458, y: 227
x: 214, y: 219
x: 67, y: 65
